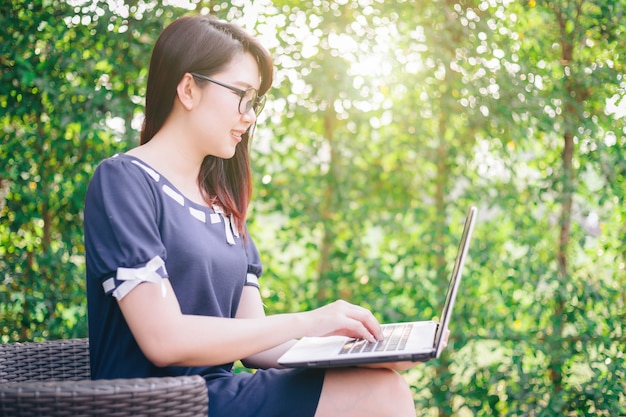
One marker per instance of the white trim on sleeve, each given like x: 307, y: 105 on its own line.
x: 252, y: 280
x: 135, y: 276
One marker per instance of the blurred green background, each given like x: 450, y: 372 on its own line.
x: 386, y: 121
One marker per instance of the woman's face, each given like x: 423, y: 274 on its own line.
x: 217, y: 122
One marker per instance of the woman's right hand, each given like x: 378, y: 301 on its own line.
x: 343, y: 319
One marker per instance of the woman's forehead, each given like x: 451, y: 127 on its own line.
x: 243, y: 69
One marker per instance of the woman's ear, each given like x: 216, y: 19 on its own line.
x: 185, y: 91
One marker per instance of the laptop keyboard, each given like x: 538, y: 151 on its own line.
x: 395, y: 337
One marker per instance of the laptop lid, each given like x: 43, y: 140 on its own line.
x: 455, y: 279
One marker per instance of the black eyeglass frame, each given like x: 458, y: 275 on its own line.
x: 256, y: 103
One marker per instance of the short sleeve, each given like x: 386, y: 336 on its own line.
x: 255, y: 268
x: 122, y: 238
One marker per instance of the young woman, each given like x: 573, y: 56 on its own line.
x: 172, y: 274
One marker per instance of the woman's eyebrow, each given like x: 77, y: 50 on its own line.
x: 245, y: 84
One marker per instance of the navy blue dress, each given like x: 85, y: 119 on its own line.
x: 139, y: 227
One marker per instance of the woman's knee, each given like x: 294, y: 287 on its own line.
x: 392, y: 385
x: 365, y: 392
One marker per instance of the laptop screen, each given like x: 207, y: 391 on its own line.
x: 455, y: 280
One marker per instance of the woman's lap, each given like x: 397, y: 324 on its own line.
x: 266, y: 393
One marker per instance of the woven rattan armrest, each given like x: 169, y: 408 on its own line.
x: 53, y: 360
x: 52, y: 379
x: 169, y: 396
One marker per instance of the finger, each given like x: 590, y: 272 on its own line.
x: 367, y: 319
x: 354, y: 321
x: 364, y: 333
x: 356, y: 329
x: 444, y: 341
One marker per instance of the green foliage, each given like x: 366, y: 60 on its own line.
x: 70, y: 75
x: 386, y: 121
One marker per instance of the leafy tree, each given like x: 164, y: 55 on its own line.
x: 553, y: 136
x: 71, y: 82
x: 386, y: 121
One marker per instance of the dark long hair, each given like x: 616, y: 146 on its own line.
x: 205, y: 45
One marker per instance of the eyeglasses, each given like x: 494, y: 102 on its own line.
x: 248, y: 98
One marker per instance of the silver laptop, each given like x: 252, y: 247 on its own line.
x: 417, y: 341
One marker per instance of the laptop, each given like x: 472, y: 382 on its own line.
x: 417, y: 341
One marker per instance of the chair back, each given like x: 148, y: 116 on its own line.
x: 58, y: 360
x: 52, y: 379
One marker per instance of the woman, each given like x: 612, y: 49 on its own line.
x: 172, y: 274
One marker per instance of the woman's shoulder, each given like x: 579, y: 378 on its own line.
x: 126, y: 165
x: 123, y: 174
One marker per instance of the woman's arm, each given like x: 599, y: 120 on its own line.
x: 251, y: 306
x: 167, y: 337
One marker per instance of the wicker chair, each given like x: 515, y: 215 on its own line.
x: 52, y: 379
